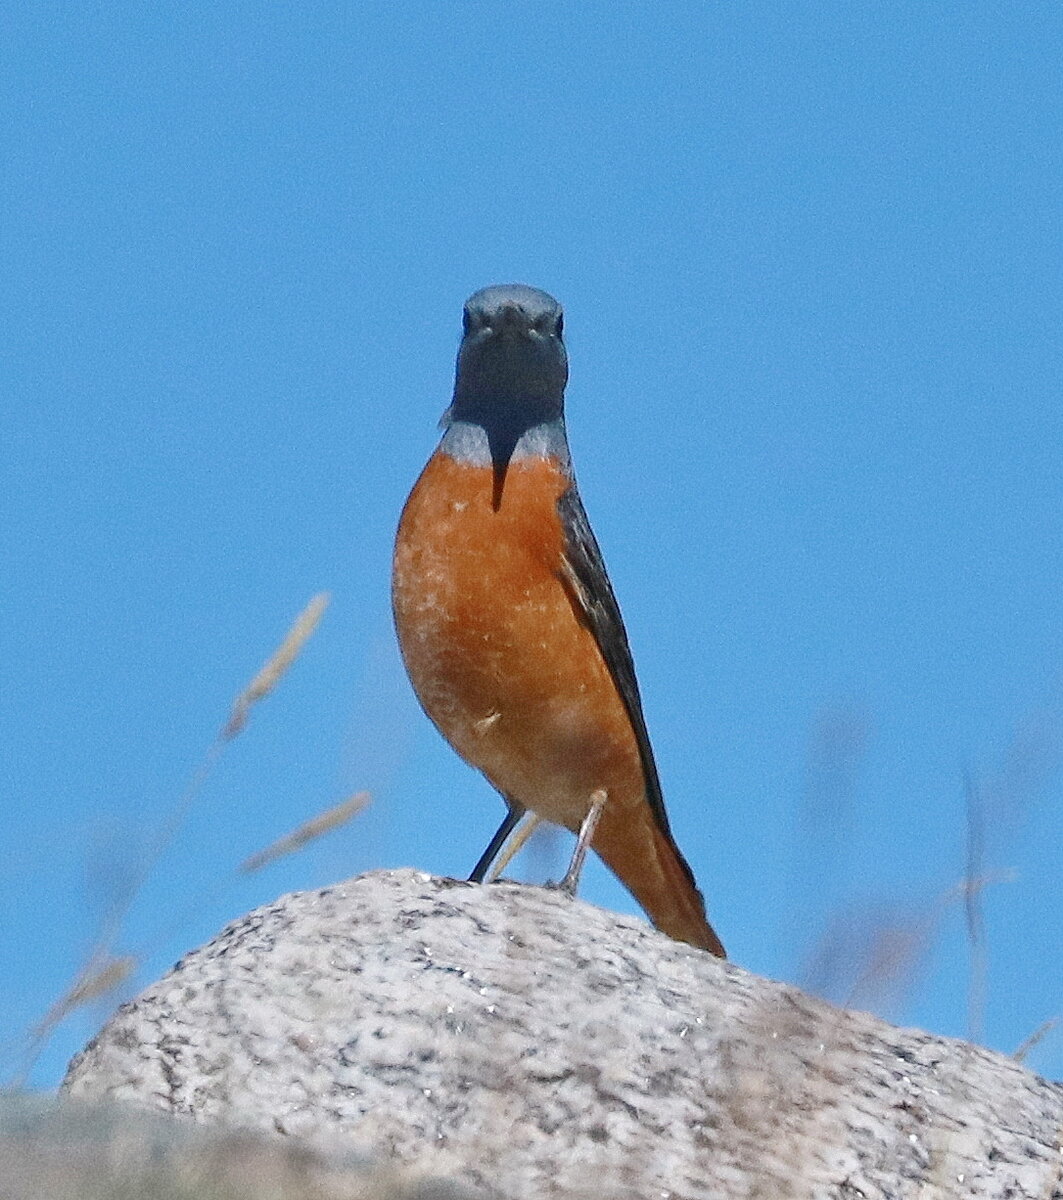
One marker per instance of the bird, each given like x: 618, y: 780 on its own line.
x: 508, y: 625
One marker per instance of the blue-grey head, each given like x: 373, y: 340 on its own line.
x: 509, y: 391
x: 512, y: 364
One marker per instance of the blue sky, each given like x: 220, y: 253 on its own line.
x: 810, y: 259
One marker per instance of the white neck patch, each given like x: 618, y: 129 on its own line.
x: 468, y: 443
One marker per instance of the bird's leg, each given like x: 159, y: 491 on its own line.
x: 583, y: 842
x: 514, y: 812
x: 531, y: 822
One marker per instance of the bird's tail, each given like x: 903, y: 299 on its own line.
x: 649, y: 864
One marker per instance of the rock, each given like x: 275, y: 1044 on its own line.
x: 79, y: 1150
x: 537, y: 1046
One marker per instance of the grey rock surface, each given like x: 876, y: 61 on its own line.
x: 540, y: 1047
x: 79, y: 1150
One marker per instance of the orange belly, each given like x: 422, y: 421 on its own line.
x: 495, y: 650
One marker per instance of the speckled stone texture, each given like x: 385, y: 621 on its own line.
x: 543, y: 1048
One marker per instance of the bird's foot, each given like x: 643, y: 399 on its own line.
x: 583, y: 842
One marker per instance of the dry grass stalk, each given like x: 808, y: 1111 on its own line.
x: 892, y: 958
x: 323, y: 823
x: 91, y: 984
x: 1035, y: 1039
x: 276, y: 666
x: 95, y: 980
x: 871, y: 959
x: 98, y: 978
x: 978, y: 959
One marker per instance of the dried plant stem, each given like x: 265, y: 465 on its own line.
x: 972, y: 909
x: 1035, y: 1039
x: 323, y: 823
x: 278, y: 663
x: 102, y: 971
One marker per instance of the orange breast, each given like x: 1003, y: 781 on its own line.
x: 495, y: 650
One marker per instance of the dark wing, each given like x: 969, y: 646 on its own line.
x: 583, y: 573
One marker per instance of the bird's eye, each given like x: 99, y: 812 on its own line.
x: 559, y: 327
x: 466, y: 320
